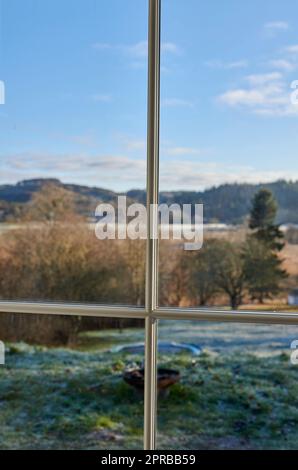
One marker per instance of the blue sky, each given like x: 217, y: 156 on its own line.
x: 75, y: 74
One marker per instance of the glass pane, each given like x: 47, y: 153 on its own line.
x: 73, y: 136
x: 64, y: 383
x: 228, y: 141
x: 232, y: 386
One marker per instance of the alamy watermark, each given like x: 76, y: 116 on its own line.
x: 2, y: 353
x: 177, y: 222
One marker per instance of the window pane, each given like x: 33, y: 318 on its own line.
x: 237, y: 388
x: 73, y: 136
x: 228, y: 141
x: 62, y: 385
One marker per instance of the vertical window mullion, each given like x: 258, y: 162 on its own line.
x: 150, y: 389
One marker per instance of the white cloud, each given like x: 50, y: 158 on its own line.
x: 287, y: 59
x: 242, y: 97
x: 85, y: 140
x: 170, y: 47
x: 138, y: 50
x: 292, y: 49
x: 262, y: 79
x: 102, y: 98
x: 136, y: 54
x: 282, y: 64
x: 276, y: 26
x: 266, y: 94
x: 219, y: 64
x: 177, y: 102
x: 80, y: 168
x: 112, y: 170
x: 197, y: 175
x: 238, y: 64
x: 135, y: 145
x: 279, y: 25
x: 131, y: 143
x: 182, y: 151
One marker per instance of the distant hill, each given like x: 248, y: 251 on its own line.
x: 231, y: 203
x: 22, y: 191
x: 14, y: 198
x: 228, y: 203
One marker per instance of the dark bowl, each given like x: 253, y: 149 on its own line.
x: 165, y: 378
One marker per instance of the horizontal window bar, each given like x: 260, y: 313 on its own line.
x: 168, y: 313
x: 237, y: 316
x: 87, y: 310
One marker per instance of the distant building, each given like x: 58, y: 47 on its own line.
x: 293, y: 297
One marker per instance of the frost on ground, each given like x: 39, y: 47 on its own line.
x: 241, y: 392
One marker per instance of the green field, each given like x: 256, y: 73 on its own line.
x: 241, y: 392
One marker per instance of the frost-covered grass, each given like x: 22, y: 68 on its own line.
x: 241, y: 392
x: 59, y: 398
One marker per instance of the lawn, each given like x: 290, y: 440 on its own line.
x: 241, y: 392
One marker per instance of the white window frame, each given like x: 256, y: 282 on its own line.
x: 151, y: 313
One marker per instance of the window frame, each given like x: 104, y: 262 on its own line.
x: 151, y: 313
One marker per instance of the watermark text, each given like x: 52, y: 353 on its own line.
x: 177, y: 222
